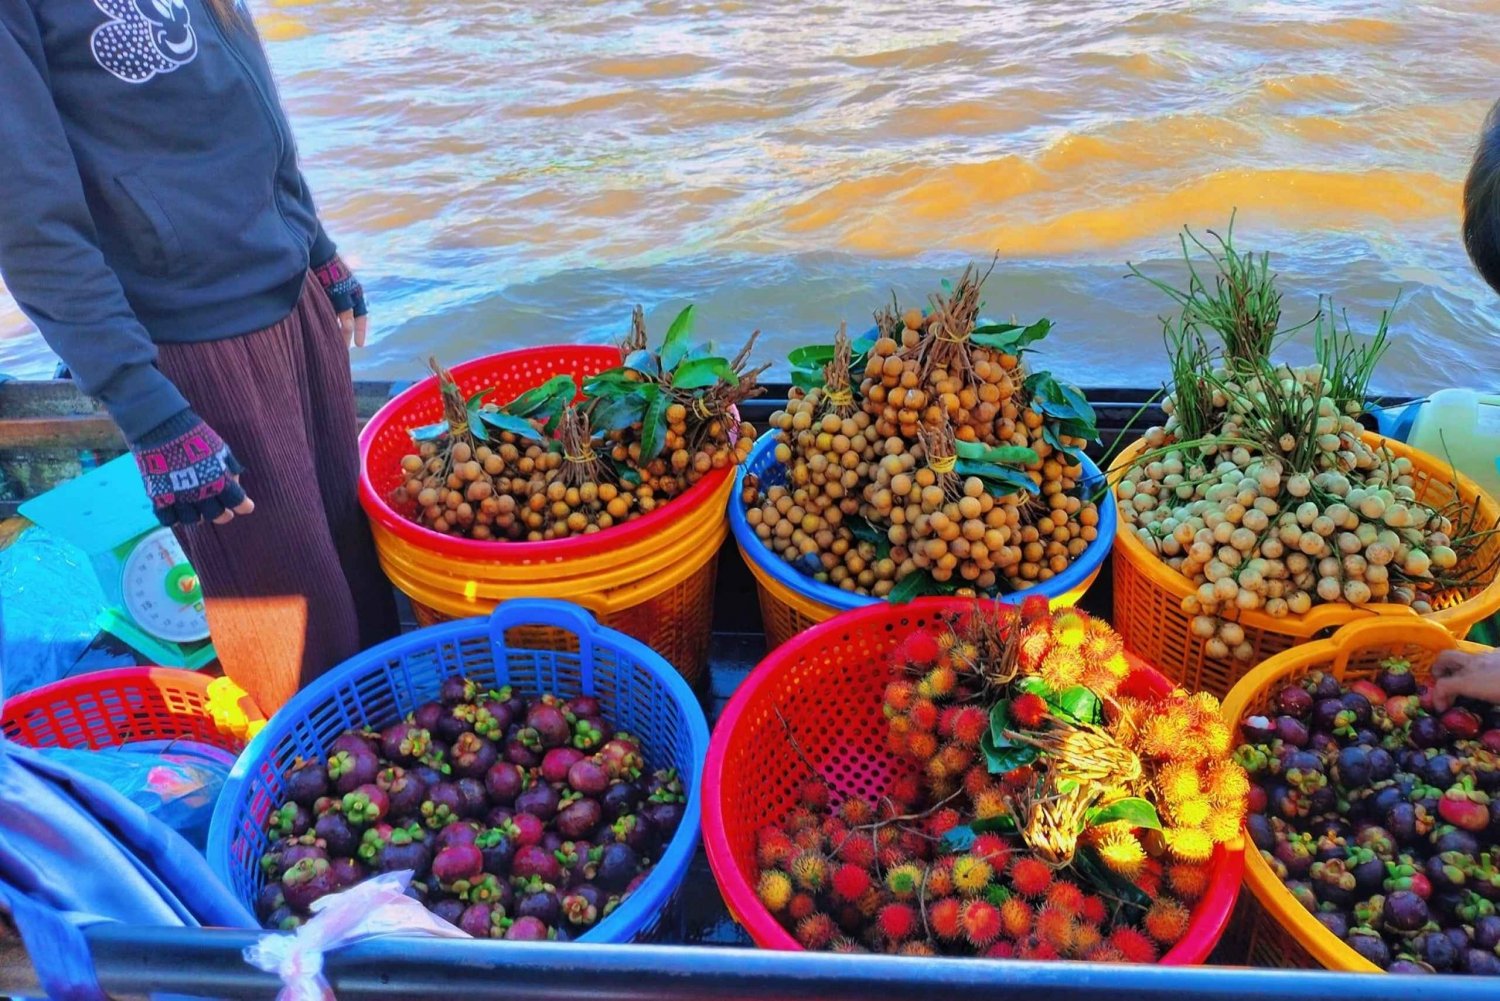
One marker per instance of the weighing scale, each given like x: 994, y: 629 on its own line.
x: 155, y: 602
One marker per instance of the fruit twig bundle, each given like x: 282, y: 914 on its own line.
x: 947, y: 346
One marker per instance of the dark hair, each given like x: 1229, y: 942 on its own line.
x: 224, y: 10
x: 1482, y: 202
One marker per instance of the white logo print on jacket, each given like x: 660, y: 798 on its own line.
x: 143, y: 38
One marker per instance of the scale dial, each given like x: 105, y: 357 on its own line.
x: 161, y: 591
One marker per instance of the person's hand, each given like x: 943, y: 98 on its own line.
x: 1472, y: 675
x: 189, y: 472
x: 348, y: 298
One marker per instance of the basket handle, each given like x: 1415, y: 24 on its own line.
x: 1389, y: 631
x: 547, y: 612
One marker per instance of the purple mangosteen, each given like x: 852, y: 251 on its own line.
x: 268, y: 900
x: 1405, y: 911
x: 404, y: 743
x: 1258, y: 729
x: 350, y: 769
x: 458, y: 862
x: 543, y: 905
x: 552, y: 726
x: 504, y: 782
x: 457, y: 690
x: 541, y: 800
x: 579, y: 818
x: 1291, y: 731
x: 618, y: 865
x: 518, y: 753
x: 474, y: 800
x: 306, y: 783
x: 534, y: 860
x: 449, y: 910
x: 498, y: 849
x: 1294, y: 701
x: 464, y: 832
x: 557, y: 762
x: 527, y: 929
x: 1426, y: 731
x: 308, y: 881
x: 356, y: 741
x: 619, y: 799
x: 471, y: 755
x: 337, y: 833
x: 1368, y: 943
x: 667, y: 817
x: 404, y: 790
x: 347, y: 872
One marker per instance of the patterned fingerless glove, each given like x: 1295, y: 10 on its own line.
x: 344, y: 290
x: 187, y: 469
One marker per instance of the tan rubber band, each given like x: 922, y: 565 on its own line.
x: 943, y: 466
x: 587, y: 456
x: 701, y: 409
x: 841, y: 397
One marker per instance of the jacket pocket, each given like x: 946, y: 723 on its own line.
x: 152, y: 239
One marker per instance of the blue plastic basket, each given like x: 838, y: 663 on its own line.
x: 762, y: 463
x: 638, y: 691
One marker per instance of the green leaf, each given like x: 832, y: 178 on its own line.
x: 811, y: 356
x: 1032, y: 685
x: 1008, y: 455
x: 866, y: 532
x: 999, y: 723
x: 1132, y: 810
x: 1074, y: 397
x: 1051, y: 436
x: 806, y: 379
x: 613, y: 413
x: 947, y: 285
x: 1005, y: 759
x: 478, y: 398
x: 429, y: 432
x: 1081, y: 704
x: 615, y: 382
x: 1010, y: 338
x: 997, y: 476
x: 1004, y: 822
x: 644, y: 362
x: 910, y: 587
x: 697, y: 373
x: 627, y: 474
x: 502, y: 421
x: 994, y: 328
x: 555, y: 393
x: 1133, y: 903
x: 654, y: 424
x: 675, y: 346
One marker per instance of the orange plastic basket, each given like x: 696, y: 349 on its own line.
x: 824, y: 690
x: 1280, y: 931
x: 110, y: 708
x: 1148, y: 593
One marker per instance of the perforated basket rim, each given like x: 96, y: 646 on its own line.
x: 641, y: 907
x: 1211, y: 914
x: 1078, y: 573
x: 634, y: 531
x: 1271, y: 893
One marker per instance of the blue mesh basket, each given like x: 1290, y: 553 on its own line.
x: 762, y: 463
x: 638, y: 690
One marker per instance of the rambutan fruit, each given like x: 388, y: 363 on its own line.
x: 956, y: 759
x: 870, y: 902
x: 924, y: 715
x: 1121, y: 850
x: 1228, y: 785
x: 1189, y: 844
x: 834, y: 829
x: 941, y: 681
x: 810, y: 871
x: 1098, y: 677
x: 1094, y: 909
x: 903, y: 881
x: 1086, y: 937
x: 915, y: 948
x: 846, y: 946
x: 1203, y: 708
x: 1016, y: 918
x: 914, y: 844
x: 891, y: 857
x: 940, y: 878
x: 773, y: 848
x: 1224, y: 824
x: 1104, y: 953
x: 1216, y: 738
x: 897, y: 922
x: 1178, y: 781
x: 814, y: 794
x: 1119, y: 666
x: 1065, y: 896
x: 1133, y: 946
x: 800, y: 819
x: 857, y: 848
x: 1191, y: 812
x: 1001, y: 950
x: 936, y: 770
x: 1055, y: 927
x: 1018, y: 779
x: 943, y: 918
x: 850, y: 882
x: 896, y: 741
x: 990, y: 803
x: 1188, y: 882
x: 816, y: 931
x: 943, y: 821
x: 969, y: 724
x: 1062, y: 668
x: 809, y: 839
x: 994, y: 849
x: 774, y: 888
x: 850, y: 919
x: 971, y: 875
x: 1030, y: 877
x: 856, y: 812
x: 919, y: 648
x: 802, y: 904
x: 1101, y: 642
x: 1038, y: 951
x: 976, y: 780
x: 1149, y: 880
x: 1069, y: 629
x: 1028, y: 710
x: 1034, y: 607
x: 921, y: 745
x: 905, y: 792
x: 1033, y: 649
x: 1162, y: 736
x: 899, y: 696
x: 1167, y: 921
x: 981, y: 923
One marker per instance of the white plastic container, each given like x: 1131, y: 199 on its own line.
x: 1463, y: 426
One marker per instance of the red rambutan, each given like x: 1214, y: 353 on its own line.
x: 924, y: 715
x: 896, y: 741
x: 816, y: 931
x: 994, y: 849
x: 941, y: 681
x: 921, y: 745
x: 914, y: 844
x: 976, y: 780
x: 1055, y: 927
x: 920, y: 648
x: 899, y: 696
x: 850, y: 882
x: 968, y: 725
x: 943, y: 917
x: 814, y: 794
x: 906, y: 791
x: 1104, y: 953
x: 1018, y: 778
x: 1001, y: 950
x: 1188, y: 881
x: 1016, y: 918
x: 774, y: 849
x: 1086, y: 938
x: 1038, y: 951
x: 801, y: 906
x: 834, y: 829
x: 1033, y: 649
x: 800, y: 819
x: 956, y: 759
x: 943, y: 821
x: 857, y: 848
x: 1034, y: 607
x: 856, y: 812
x: 981, y: 923
x: 1133, y: 946
x: 1030, y: 877
x: 891, y: 857
x: 809, y: 839
x: 1066, y: 897
x: 1094, y: 909
x: 897, y: 922
x: 1167, y: 921
x: 1028, y: 710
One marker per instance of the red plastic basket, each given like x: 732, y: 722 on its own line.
x: 827, y: 684
x: 110, y: 708
x: 385, y: 439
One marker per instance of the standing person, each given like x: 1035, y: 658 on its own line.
x: 155, y: 227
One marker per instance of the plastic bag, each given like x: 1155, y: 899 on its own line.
x: 50, y: 600
x: 178, y: 787
x: 378, y: 906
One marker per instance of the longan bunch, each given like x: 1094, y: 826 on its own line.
x: 1259, y: 518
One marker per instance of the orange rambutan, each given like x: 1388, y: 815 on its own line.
x: 1132, y: 945
x: 1086, y: 938
x: 940, y: 878
x: 916, y: 948
x: 981, y: 922
x: 809, y: 839
x: 1033, y: 649
x: 976, y: 780
x: 941, y: 681
x: 1188, y: 882
x: 921, y: 745
x: 1066, y: 896
x: 1216, y: 738
x: 956, y: 758
x: 774, y: 888
x: 801, y: 905
x: 891, y: 857
x: 1055, y: 927
x: 896, y: 741
x: 971, y: 875
x: 1030, y: 877
x: 1016, y: 918
x: 994, y: 849
x: 850, y: 882
x: 834, y: 829
x: 846, y: 946
x: 773, y: 848
x: 1034, y: 607
x: 869, y: 902
x: 1104, y: 953
x: 816, y: 931
x: 924, y: 715
x: 897, y: 922
x: 903, y: 881
x: 1062, y: 668
x: 1101, y: 642
x: 1098, y: 677
x: 1028, y: 710
x: 800, y: 819
x: 1094, y: 909
x: 856, y: 812
x: 943, y: 917
x: 905, y: 791
x: 1203, y: 708
x: 899, y: 725
x: 1162, y: 736
x: 899, y: 696
x: 1167, y: 921
x: 810, y: 871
